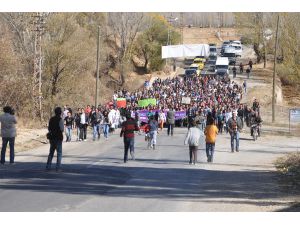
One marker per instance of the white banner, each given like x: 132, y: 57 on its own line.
x: 176, y: 51
x: 186, y: 100
x: 295, y: 115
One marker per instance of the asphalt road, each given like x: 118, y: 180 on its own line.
x: 95, y: 178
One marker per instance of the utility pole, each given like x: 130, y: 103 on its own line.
x: 181, y: 26
x: 97, y: 72
x: 170, y: 20
x: 39, y: 22
x: 274, y: 72
x: 220, y: 17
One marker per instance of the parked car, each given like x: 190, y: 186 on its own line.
x: 231, y: 57
x: 237, y: 45
x: 199, y: 62
x: 196, y: 67
x: 222, y: 65
x: 202, y: 58
x: 211, y: 65
x: 213, y: 50
x: 226, y: 43
x: 223, y: 48
x: 190, y: 72
x: 212, y: 57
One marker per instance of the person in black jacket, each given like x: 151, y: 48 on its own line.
x: 55, y: 136
x: 234, y: 71
x: 69, y: 123
x: 96, y: 118
x: 77, y: 123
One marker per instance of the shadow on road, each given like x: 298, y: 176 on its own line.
x: 144, y: 182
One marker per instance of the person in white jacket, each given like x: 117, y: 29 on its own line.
x: 193, y: 138
x: 112, y: 119
x: 8, y: 133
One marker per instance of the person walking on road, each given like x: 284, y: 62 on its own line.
x: 77, y: 123
x: 8, y: 133
x: 127, y: 132
x: 192, y: 139
x: 171, y: 121
x: 105, y: 124
x: 241, y: 68
x: 255, y: 105
x: 83, y: 125
x: 245, y: 86
x: 153, y: 128
x: 55, y: 136
x: 234, y: 71
x: 248, y: 70
x: 69, y: 123
x: 235, y: 126
x: 210, y: 132
x: 221, y: 121
x: 112, y: 119
x: 250, y: 64
x: 161, y: 119
x: 96, y: 118
x: 241, y: 113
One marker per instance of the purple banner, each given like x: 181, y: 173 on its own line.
x: 180, y: 115
x: 145, y: 113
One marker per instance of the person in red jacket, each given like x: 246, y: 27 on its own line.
x: 127, y: 132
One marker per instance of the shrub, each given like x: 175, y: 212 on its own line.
x: 289, y: 165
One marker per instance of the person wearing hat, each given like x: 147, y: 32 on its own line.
x: 127, y: 132
x: 234, y: 127
x: 55, y: 136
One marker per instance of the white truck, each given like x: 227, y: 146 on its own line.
x: 222, y: 65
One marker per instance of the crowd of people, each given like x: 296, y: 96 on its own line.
x: 213, y: 107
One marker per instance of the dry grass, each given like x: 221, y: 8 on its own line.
x: 30, y: 138
x: 289, y: 167
x: 197, y: 35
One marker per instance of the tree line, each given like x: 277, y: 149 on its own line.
x: 258, y: 29
x: 69, y: 55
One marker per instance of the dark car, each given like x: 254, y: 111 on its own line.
x: 211, y: 65
x: 212, y: 57
x: 190, y: 72
x: 221, y: 72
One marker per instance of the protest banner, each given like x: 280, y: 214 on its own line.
x: 147, y: 102
x: 186, y: 100
x: 121, y: 102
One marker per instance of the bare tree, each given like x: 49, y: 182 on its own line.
x: 125, y: 27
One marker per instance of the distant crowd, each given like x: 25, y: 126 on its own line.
x: 212, y: 102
